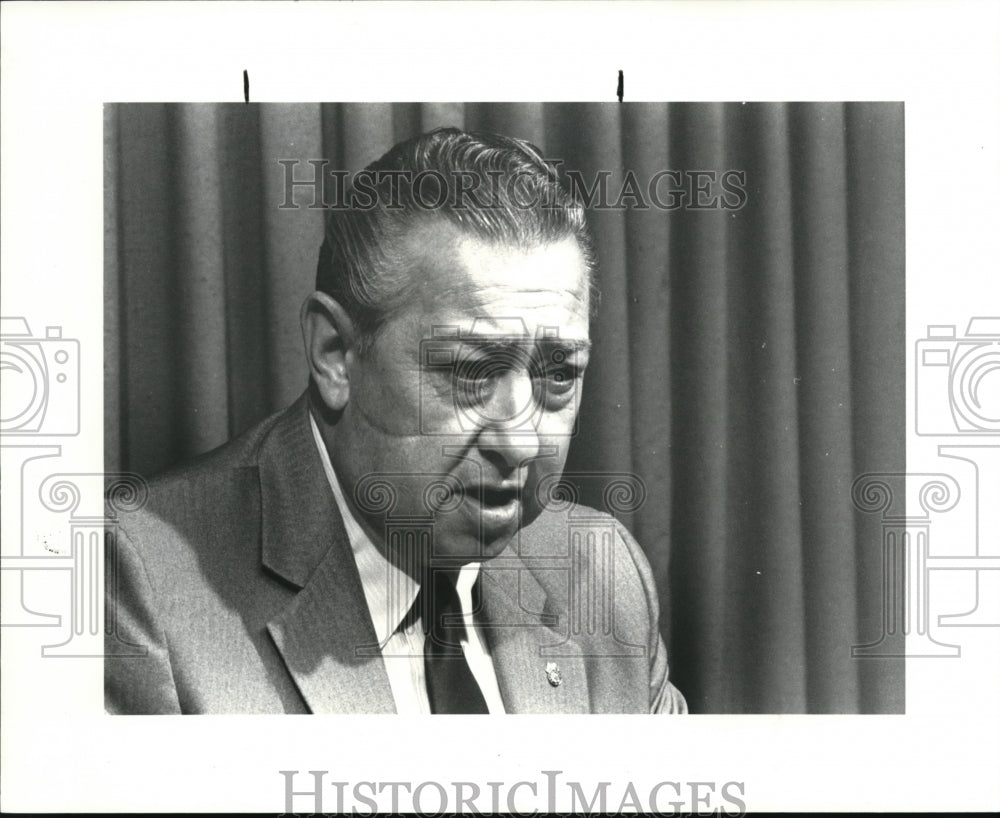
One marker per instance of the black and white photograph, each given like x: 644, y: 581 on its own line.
x: 368, y: 367
x: 676, y: 327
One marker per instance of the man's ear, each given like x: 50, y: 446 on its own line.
x: 328, y: 334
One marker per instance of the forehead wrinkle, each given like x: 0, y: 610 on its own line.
x: 510, y: 307
x: 499, y: 343
x: 457, y: 278
x: 508, y: 288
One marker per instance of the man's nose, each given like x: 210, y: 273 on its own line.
x: 510, y: 419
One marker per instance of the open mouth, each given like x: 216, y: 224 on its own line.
x: 498, y: 498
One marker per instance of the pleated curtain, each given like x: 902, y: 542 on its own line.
x: 748, y: 364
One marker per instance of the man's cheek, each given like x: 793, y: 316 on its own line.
x: 556, y: 430
x: 392, y: 406
x: 441, y: 414
x: 542, y: 472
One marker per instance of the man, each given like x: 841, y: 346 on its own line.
x: 399, y: 540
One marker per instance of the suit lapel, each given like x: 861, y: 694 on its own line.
x: 322, y: 634
x: 322, y: 639
x: 526, y: 639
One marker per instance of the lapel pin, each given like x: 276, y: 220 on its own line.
x: 553, y: 674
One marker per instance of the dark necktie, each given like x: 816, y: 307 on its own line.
x: 451, y: 687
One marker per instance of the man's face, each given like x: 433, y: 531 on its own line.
x: 470, y: 393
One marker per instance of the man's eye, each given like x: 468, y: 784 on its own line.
x: 562, y: 378
x: 475, y: 380
x: 559, y: 385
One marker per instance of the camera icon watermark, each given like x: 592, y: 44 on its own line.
x: 958, y: 379
x: 41, y: 381
x: 464, y: 378
x: 958, y: 396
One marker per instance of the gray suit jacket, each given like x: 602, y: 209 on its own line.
x: 237, y: 585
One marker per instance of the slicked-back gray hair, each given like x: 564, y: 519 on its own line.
x: 496, y: 188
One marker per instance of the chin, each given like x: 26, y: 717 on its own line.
x: 470, y: 548
x: 493, y: 548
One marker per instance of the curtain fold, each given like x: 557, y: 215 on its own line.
x: 876, y: 250
x: 748, y: 361
x: 707, y: 661
x: 824, y: 413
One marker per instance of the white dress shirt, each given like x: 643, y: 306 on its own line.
x: 390, y: 593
